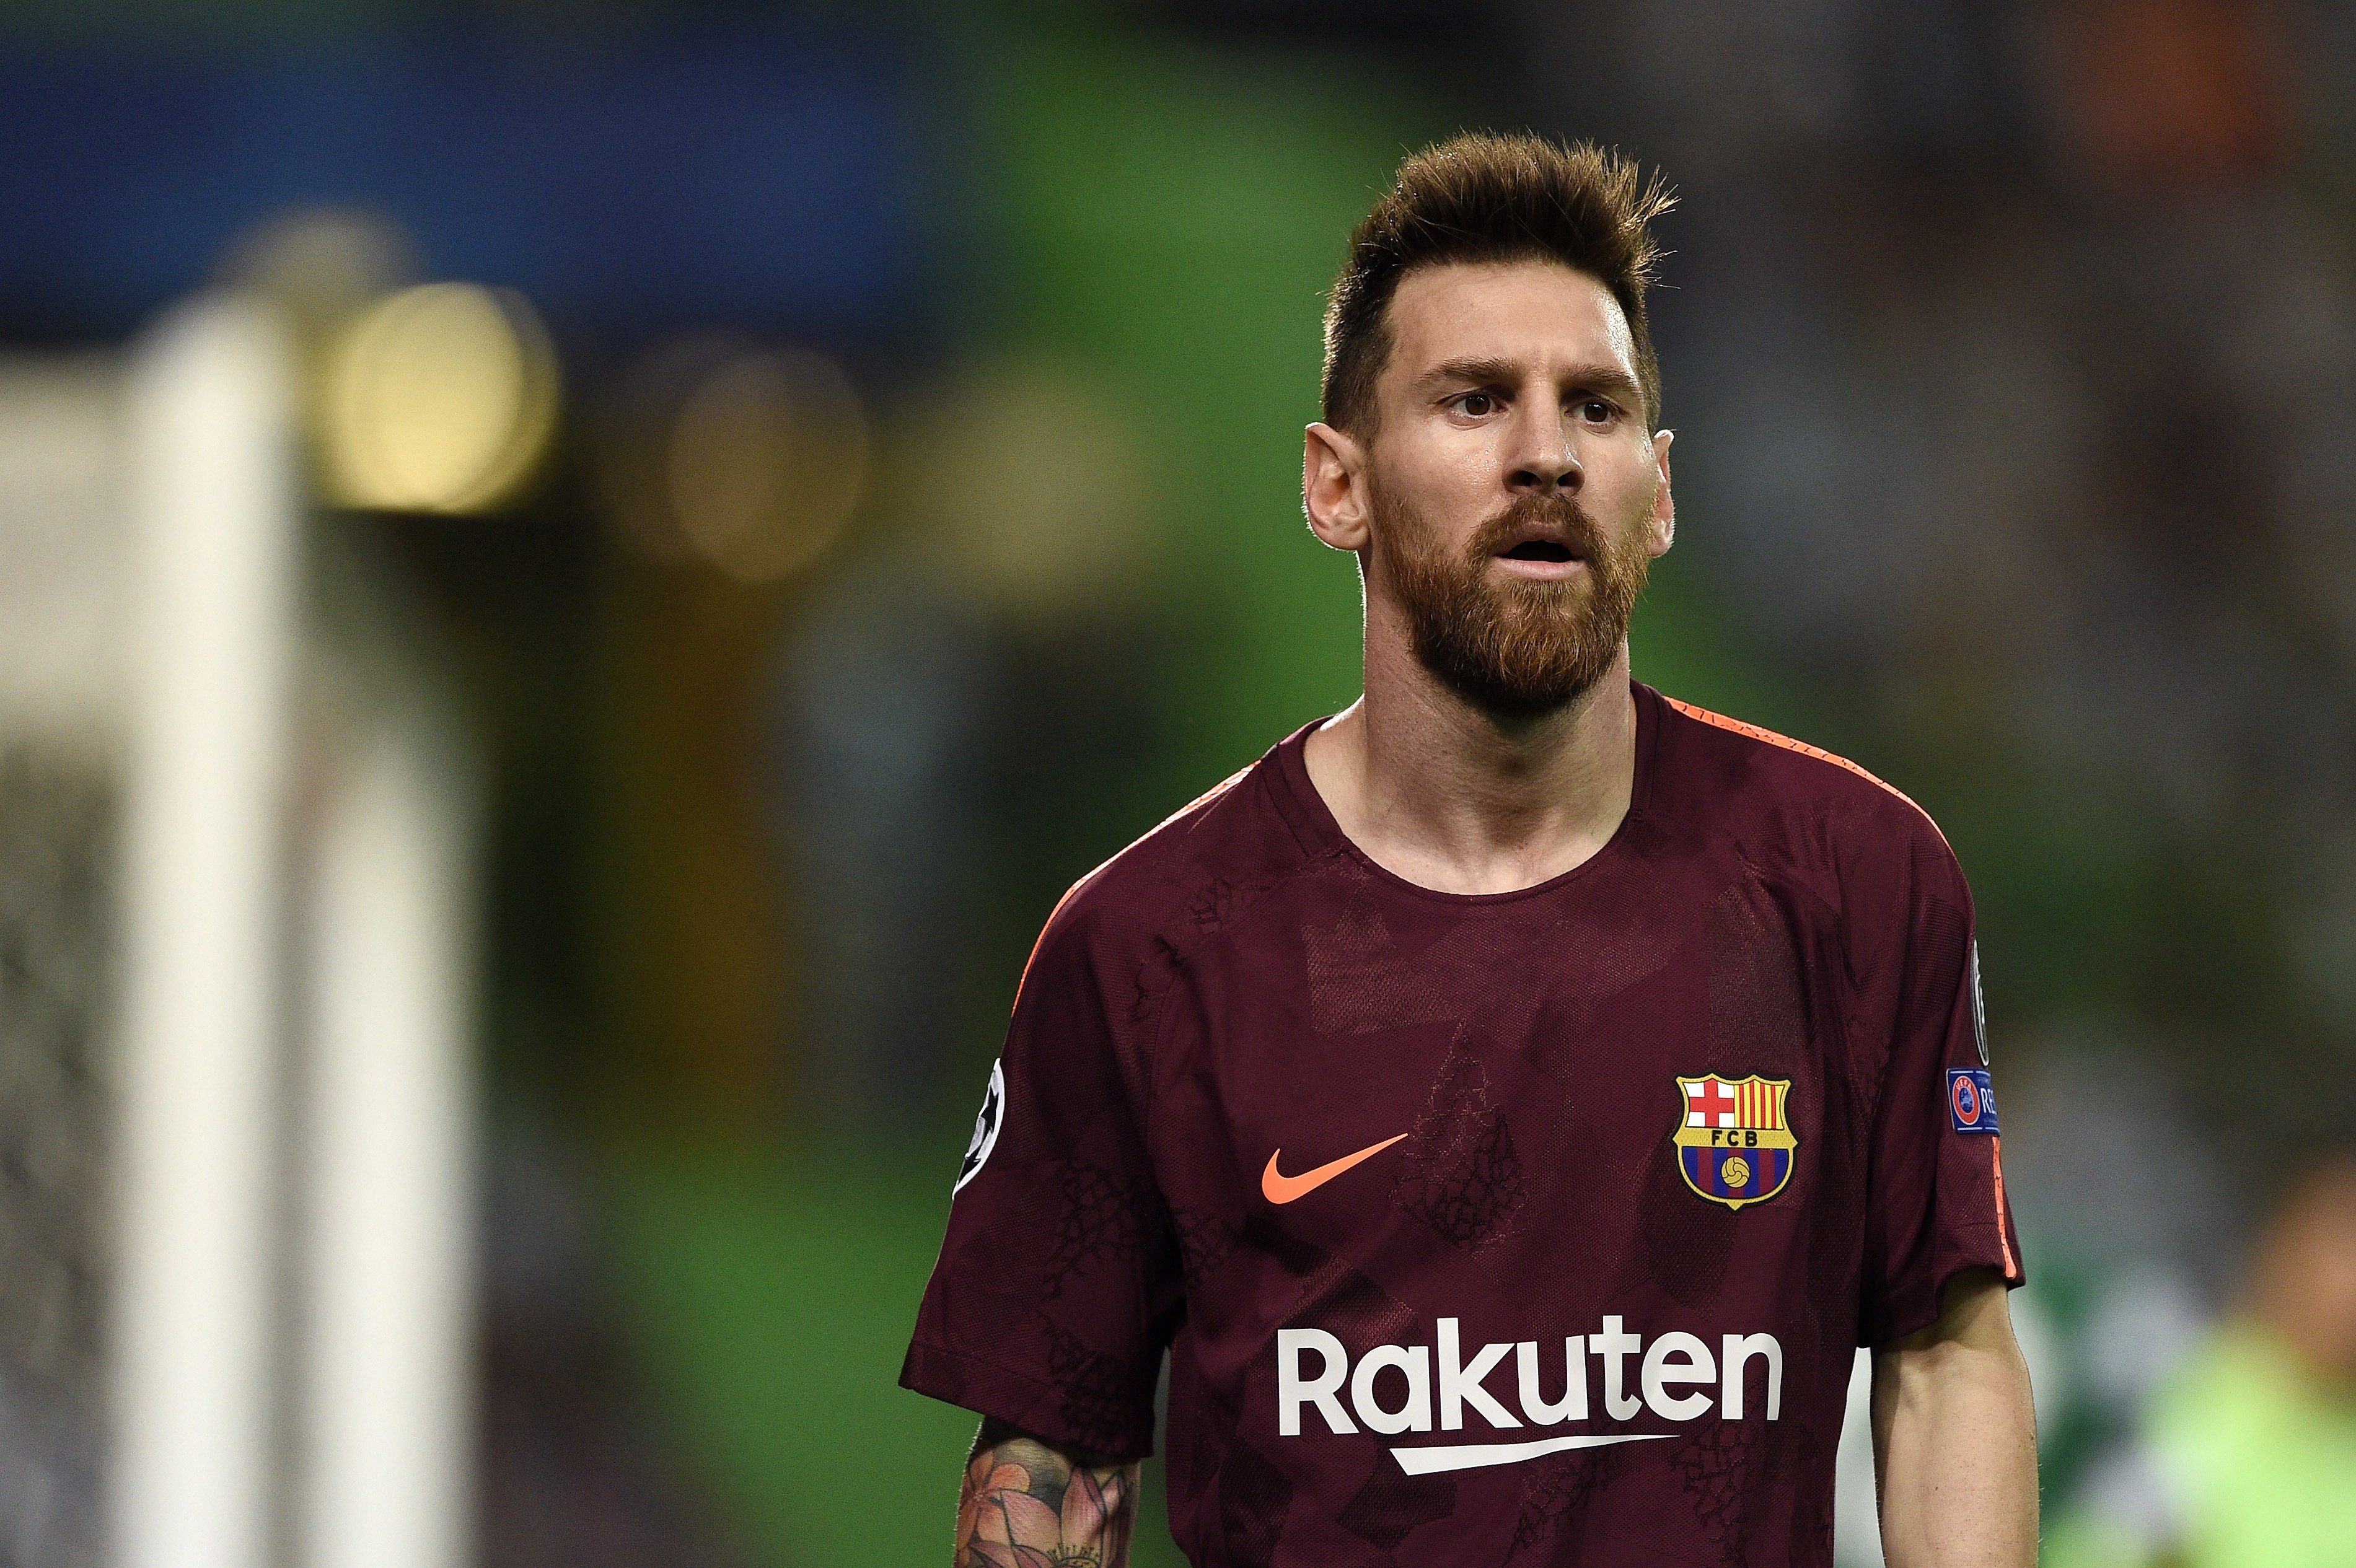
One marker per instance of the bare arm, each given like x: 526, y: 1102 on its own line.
x: 1030, y: 1503
x: 1955, y: 1437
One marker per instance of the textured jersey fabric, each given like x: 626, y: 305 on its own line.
x: 1641, y: 1154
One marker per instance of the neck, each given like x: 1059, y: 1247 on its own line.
x: 1453, y: 798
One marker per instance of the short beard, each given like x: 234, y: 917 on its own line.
x: 1531, y: 648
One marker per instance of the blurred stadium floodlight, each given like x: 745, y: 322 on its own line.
x: 752, y: 459
x: 767, y: 460
x: 249, y: 1358
x: 440, y: 398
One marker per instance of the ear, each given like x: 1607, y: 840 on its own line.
x: 1333, y: 487
x: 1662, y: 527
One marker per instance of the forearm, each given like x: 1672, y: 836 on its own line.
x: 1955, y: 1436
x: 1028, y: 1503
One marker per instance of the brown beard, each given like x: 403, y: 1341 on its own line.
x: 1530, y: 647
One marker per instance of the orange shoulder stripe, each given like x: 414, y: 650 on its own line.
x: 1756, y: 733
x: 1995, y: 1164
x: 1204, y: 798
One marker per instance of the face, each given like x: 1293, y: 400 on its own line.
x: 1512, y: 499
x: 2304, y: 1281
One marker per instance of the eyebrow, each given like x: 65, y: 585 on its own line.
x: 1505, y: 372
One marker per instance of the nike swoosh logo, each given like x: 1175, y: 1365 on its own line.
x: 1278, y: 1187
x: 1472, y: 1456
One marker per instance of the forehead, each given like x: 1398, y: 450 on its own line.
x: 1534, y: 313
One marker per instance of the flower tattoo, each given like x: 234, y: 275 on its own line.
x: 1027, y: 1504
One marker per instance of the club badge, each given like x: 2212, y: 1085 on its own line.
x: 985, y: 1127
x: 1734, y: 1144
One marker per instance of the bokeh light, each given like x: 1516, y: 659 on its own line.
x: 440, y: 398
x: 766, y: 461
x: 750, y: 459
x: 1053, y: 505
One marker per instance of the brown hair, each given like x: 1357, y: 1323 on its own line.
x: 1480, y: 196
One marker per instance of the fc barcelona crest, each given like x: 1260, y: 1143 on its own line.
x: 1734, y: 1144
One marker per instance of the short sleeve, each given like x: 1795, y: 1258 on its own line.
x: 1058, y: 1284
x: 1935, y: 1198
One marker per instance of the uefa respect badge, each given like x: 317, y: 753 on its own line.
x: 1971, y: 1100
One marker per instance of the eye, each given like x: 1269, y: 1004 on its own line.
x: 1475, y: 405
x: 1595, y: 411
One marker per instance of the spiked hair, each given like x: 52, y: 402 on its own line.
x: 1480, y: 196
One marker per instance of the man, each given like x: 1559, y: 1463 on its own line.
x: 2246, y: 1453
x: 1509, y: 1101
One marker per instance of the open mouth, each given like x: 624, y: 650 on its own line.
x: 1540, y: 549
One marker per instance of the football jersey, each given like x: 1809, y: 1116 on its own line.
x: 1534, y: 1227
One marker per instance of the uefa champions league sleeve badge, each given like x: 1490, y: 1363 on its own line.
x: 985, y: 1127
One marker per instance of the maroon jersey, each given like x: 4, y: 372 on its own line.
x: 1531, y: 1227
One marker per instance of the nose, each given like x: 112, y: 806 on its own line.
x: 1543, y: 462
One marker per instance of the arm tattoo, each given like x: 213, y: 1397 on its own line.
x: 1032, y: 1504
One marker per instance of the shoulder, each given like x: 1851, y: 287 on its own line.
x: 1175, y: 884
x: 1796, y: 807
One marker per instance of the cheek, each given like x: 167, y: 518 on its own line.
x: 1627, y: 470
x: 1446, y: 475
x: 1448, y: 492
x: 1622, y: 488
